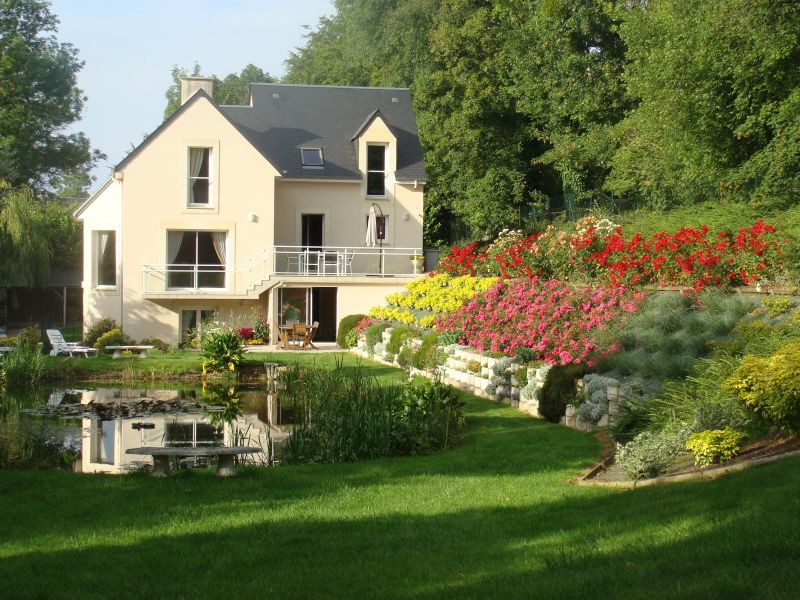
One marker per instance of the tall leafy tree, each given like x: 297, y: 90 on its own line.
x: 23, y: 243
x: 38, y: 98
x: 717, y: 89
x: 233, y: 89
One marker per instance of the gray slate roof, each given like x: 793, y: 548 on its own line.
x: 327, y: 117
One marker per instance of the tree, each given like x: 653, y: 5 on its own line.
x: 233, y: 89
x: 38, y: 98
x: 23, y: 245
x: 717, y: 90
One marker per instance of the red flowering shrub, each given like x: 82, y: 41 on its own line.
x: 246, y: 333
x: 555, y: 320
x: 364, y: 324
x: 598, y: 250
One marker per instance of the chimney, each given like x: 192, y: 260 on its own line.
x: 190, y: 85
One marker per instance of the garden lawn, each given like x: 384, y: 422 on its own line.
x: 160, y: 365
x: 494, y: 518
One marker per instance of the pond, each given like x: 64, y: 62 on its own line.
x: 96, y: 425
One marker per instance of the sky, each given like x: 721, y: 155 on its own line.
x: 129, y: 49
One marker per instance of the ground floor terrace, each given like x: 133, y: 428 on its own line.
x: 283, y: 302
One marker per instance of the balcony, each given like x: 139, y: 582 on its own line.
x: 341, y: 261
x: 189, y: 280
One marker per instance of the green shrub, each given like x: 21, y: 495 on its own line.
x: 374, y: 335
x: 428, y: 355
x: 448, y: 338
x: 521, y: 376
x: 399, y: 336
x: 715, y: 445
x: 558, y: 390
x: 770, y: 386
x: 777, y: 305
x: 405, y: 357
x: 113, y: 337
x: 97, y: 329
x: 222, y: 351
x: 650, y: 453
x: 261, y: 327
x: 157, y: 343
x: 22, y: 368
x: 427, y: 418
x: 28, y: 339
x: 346, y: 325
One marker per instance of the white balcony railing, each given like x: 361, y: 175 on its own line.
x: 283, y: 261
x: 342, y: 261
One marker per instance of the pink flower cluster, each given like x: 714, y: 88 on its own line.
x: 558, y: 322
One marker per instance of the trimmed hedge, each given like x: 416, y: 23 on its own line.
x: 346, y: 325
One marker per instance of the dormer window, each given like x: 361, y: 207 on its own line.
x: 312, y: 157
x: 199, y: 176
x: 376, y: 170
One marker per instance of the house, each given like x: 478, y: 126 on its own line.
x: 224, y: 210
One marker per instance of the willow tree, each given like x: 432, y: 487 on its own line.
x: 24, y: 246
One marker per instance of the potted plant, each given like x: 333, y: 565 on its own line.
x: 418, y: 260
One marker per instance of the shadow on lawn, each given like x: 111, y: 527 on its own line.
x: 717, y: 539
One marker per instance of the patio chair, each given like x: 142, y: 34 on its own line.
x: 61, y: 346
x: 299, y: 331
x: 308, y: 339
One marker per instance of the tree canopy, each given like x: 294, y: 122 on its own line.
x: 523, y: 103
x: 232, y: 89
x: 38, y: 98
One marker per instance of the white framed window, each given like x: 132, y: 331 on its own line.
x: 194, y: 318
x: 200, y: 181
x: 311, y: 157
x: 376, y: 170
x: 105, y: 252
x: 382, y: 227
x: 196, y: 259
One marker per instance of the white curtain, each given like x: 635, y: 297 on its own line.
x: 102, y: 243
x: 196, y: 156
x: 372, y: 228
x: 218, y: 237
x: 174, y: 243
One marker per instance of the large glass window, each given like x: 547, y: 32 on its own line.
x: 199, y: 176
x: 193, y: 318
x: 376, y: 170
x: 196, y: 259
x: 106, y: 258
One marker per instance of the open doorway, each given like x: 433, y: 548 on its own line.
x: 306, y: 305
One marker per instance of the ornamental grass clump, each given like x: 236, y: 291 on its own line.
x: 345, y: 415
x: 670, y: 331
x: 21, y: 368
x: 557, y: 322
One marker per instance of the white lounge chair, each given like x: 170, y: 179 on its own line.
x: 61, y: 346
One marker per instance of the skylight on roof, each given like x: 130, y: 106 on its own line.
x: 312, y: 157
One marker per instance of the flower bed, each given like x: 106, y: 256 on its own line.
x: 557, y: 322
x: 598, y: 250
x: 426, y: 297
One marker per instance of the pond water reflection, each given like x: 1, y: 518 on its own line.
x: 102, y: 423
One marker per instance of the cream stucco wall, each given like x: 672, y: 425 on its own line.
x: 154, y: 200
x: 103, y: 214
x: 257, y: 209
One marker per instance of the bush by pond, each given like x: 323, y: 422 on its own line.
x: 344, y: 415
